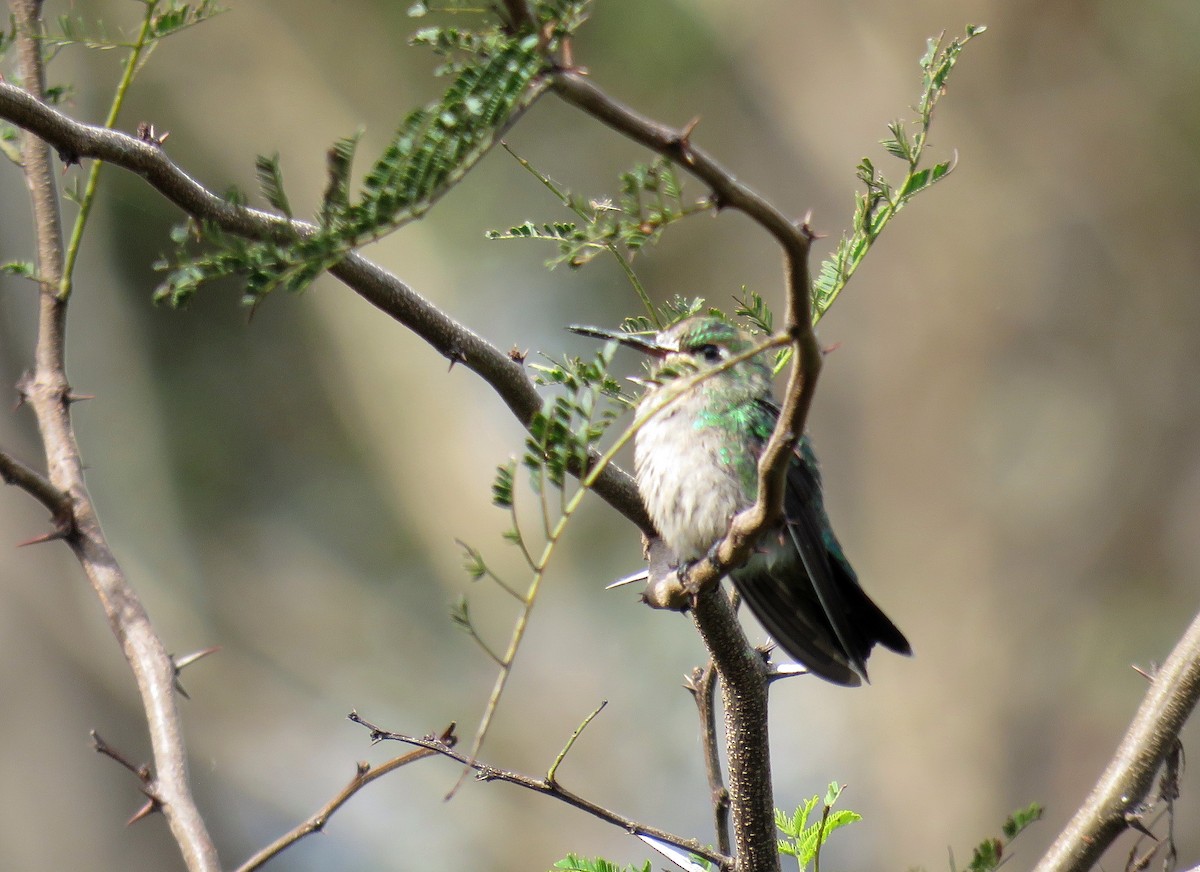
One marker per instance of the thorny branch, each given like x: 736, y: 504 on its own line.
x: 364, y: 774
x: 702, y: 685
x: 545, y: 786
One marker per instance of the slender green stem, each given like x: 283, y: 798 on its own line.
x: 550, y: 779
x: 487, y: 649
x: 132, y: 64
x: 626, y: 266
x: 820, y: 839
x: 545, y: 504
x: 519, y: 539
x: 553, y: 534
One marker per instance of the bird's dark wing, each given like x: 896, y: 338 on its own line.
x: 819, y: 615
x: 795, y: 620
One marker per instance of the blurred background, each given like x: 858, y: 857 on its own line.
x: 1009, y: 430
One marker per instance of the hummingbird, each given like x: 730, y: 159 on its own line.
x: 696, y: 464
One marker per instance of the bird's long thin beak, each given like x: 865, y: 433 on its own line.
x: 643, y: 344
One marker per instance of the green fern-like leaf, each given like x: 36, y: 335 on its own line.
x: 502, y: 486
x: 432, y: 150
x: 882, y: 200
x: 473, y: 562
x: 176, y: 17
x: 1020, y: 819
x: 570, y: 424
x: 991, y: 853
x: 575, y: 863
x: 460, y: 615
x: 339, y: 161
x: 270, y: 182
x: 649, y: 201
x: 804, y: 840
x: 752, y: 307
x: 169, y: 19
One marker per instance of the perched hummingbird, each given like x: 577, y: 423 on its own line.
x: 697, y: 466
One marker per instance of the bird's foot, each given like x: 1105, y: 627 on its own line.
x: 664, y: 589
x: 692, y: 586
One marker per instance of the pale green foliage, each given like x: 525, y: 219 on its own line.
x: 575, y: 863
x: 22, y: 268
x: 494, y: 73
x: 876, y: 206
x: 650, y: 198
x: 270, y: 182
x: 571, y: 424
x: 563, y: 436
x: 166, y: 19
x: 989, y: 854
x: 802, y: 839
x: 502, y: 487
x: 650, y: 201
x: 675, y: 309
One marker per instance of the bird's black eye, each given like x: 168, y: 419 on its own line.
x: 709, y: 352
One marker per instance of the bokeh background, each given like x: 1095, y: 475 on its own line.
x: 1009, y: 429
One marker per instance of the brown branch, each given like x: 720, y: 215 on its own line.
x: 702, y: 684
x: 546, y: 787
x: 153, y: 803
x: 448, y: 337
x: 676, y: 144
x: 48, y: 393
x: 363, y: 775
x: 747, y: 741
x: 1116, y: 799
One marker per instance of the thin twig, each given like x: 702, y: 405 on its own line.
x: 364, y: 775
x: 562, y: 755
x: 505, y: 663
x: 102, y: 747
x: 702, y: 684
x: 1127, y: 780
x: 137, y: 51
x: 546, y: 788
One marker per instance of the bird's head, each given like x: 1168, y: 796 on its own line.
x: 696, y: 344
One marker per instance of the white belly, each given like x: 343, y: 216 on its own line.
x: 690, y: 480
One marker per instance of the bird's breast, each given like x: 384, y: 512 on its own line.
x: 691, y: 477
